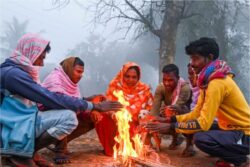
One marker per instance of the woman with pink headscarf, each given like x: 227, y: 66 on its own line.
x: 25, y: 130
x: 64, y: 79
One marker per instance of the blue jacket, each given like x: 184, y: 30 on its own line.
x: 17, y: 121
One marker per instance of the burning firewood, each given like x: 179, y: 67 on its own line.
x: 127, y: 153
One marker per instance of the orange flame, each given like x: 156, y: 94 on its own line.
x: 123, y: 146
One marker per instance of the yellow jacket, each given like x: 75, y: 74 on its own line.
x: 222, y: 99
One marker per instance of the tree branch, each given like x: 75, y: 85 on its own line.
x: 190, y: 15
x: 143, y: 19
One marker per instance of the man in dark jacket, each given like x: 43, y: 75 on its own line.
x: 24, y: 129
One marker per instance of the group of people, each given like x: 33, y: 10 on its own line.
x: 209, y: 110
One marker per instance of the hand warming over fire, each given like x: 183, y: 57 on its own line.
x: 158, y: 127
x: 108, y: 106
x: 175, y: 108
x: 162, y: 110
x: 168, y: 111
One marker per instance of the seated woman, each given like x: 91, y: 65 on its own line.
x: 138, y: 95
x: 64, y: 80
x: 25, y: 130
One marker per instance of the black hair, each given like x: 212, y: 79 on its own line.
x: 136, y: 69
x: 47, y: 49
x: 203, y: 46
x: 78, y: 61
x: 171, y: 68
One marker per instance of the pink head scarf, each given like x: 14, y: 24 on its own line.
x: 58, y: 81
x: 28, y: 49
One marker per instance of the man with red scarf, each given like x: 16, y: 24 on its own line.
x: 219, y: 97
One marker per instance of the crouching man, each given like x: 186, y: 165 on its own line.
x: 24, y: 129
x: 219, y: 97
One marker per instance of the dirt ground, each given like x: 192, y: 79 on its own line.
x: 87, y: 152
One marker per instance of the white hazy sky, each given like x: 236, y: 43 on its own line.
x: 64, y: 27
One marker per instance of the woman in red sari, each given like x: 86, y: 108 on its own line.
x: 137, y: 93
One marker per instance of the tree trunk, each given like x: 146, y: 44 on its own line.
x: 168, y: 34
x: 221, y: 34
x: 166, y: 52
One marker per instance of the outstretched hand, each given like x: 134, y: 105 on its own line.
x: 162, y: 110
x: 167, y: 111
x: 163, y: 128
x: 173, y: 108
x: 108, y: 106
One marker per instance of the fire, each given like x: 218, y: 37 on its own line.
x: 124, y: 147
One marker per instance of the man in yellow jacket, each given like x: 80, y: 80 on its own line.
x: 220, y: 98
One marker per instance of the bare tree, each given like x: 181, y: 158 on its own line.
x: 159, y: 17
x: 162, y: 18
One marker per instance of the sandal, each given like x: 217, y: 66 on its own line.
x: 53, y: 149
x: 62, y: 159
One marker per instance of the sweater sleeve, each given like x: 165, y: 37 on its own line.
x: 203, y: 115
x: 158, y: 98
x: 194, y: 114
x: 19, y: 82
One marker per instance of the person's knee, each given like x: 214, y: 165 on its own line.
x: 67, y: 123
x: 58, y: 123
x: 70, y: 119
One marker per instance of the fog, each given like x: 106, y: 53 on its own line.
x: 104, y: 50
x: 70, y: 26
